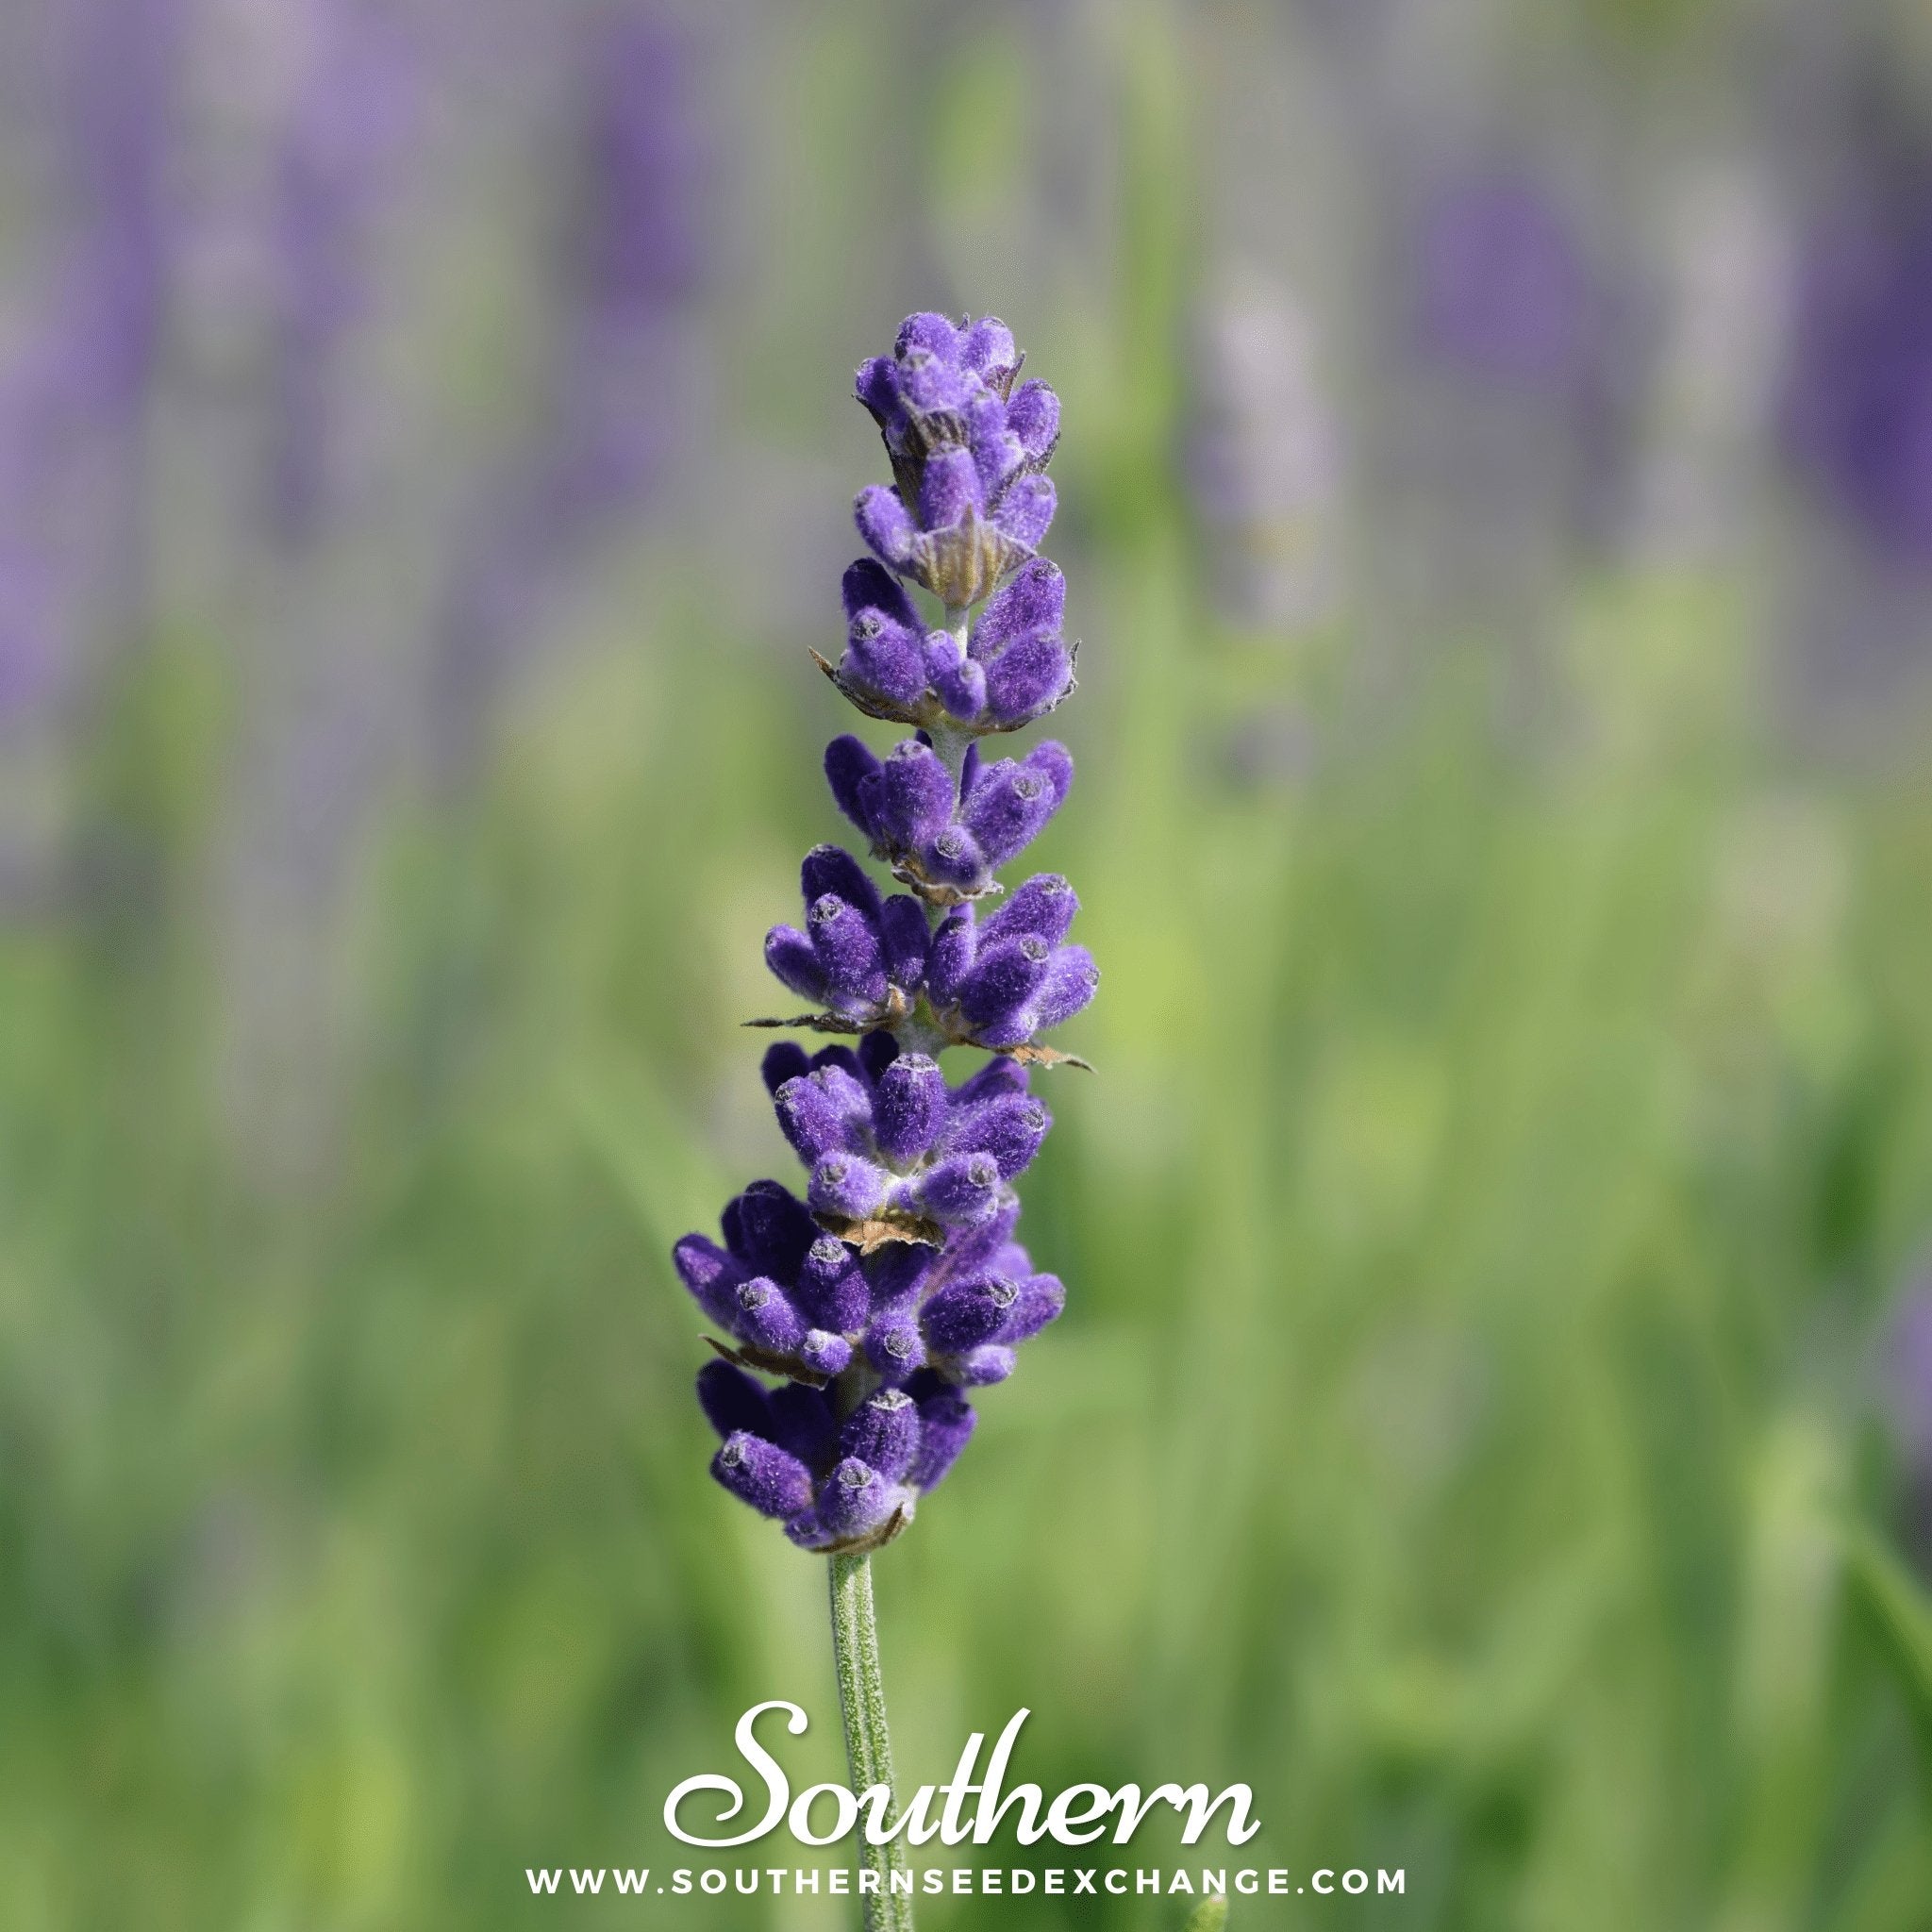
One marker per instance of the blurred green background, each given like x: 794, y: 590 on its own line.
x: 1493, y: 1413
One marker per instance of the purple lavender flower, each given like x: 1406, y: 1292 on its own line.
x: 1908, y: 1388
x: 1012, y: 666
x: 1502, y: 290
x: 968, y: 503
x: 349, y: 131
x: 614, y: 412
x: 945, y: 846
x: 73, y: 389
x: 894, y: 1283
x: 1858, y: 408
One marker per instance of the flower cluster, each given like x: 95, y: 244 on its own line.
x: 1012, y: 667
x: 894, y: 1283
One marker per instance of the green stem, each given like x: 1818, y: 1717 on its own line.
x: 868, y: 1742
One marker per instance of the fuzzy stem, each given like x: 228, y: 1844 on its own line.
x: 950, y: 745
x: 868, y: 1743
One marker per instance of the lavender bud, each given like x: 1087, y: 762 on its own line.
x: 958, y: 1191
x: 1032, y: 605
x: 794, y: 960
x: 854, y: 1500
x: 783, y: 1062
x: 877, y: 1052
x: 1030, y: 678
x: 1040, y: 1300
x: 877, y: 385
x: 760, y: 1473
x: 995, y: 1078
x: 1013, y: 799
x: 846, y: 1186
x: 824, y: 1353
x: 991, y: 1362
x: 953, y: 858
x: 831, y: 1291
x: 950, y: 957
x: 962, y: 688
x: 802, y: 1423
x: 766, y: 1318
x: 712, y: 1276
x: 883, y: 1433
x: 1004, y: 978
x: 904, y: 938
x: 909, y: 1108
x: 912, y: 798
x: 946, y: 1421
x: 1011, y: 1129
x: 896, y: 1275
x: 849, y: 765
x: 997, y: 454
x: 936, y: 395
x: 1044, y: 906
x: 768, y: 1228
x: 868, y: 591
x: 1026, y: 511
x: 807, y: 1531
x: 927, y: 331
x: 965, y: 1313
x: 887, y: 664
x: 849, y: 953
x: 825, y: 1112
x: 1071, y: 981
x: 989, y: 1248
x: 987, y: 349
x: 886, y: 525
x: 1034, y: 417
x: 832, y: 869
x: 732, y: 1400
x: 950, y: 490
x: 884, y: 638
x: 894, y: 1346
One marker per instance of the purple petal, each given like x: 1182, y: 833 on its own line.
x: 886, y: 525
x: 790, y: 954
x: 732, y: 1400
x: 909, y: 1108
x: 883, y: 1433
x: 848, y: 764
x: 1044, y: 906
x: 949, y: 490
x: 1033, y: 603
x: 772, y: 1481
x: 946, y: 1421
x: 1026, y: 678
x: 1026, y: 511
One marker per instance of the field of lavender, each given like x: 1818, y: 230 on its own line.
x: 1493, y: 1413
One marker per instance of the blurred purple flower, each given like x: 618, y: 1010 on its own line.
x: 73, y: 390
x: 1261, y: 456
x: 348, y: 128
x: 1908, y: 1375
x: 636, y: 257
x: 1858, y: 396
x: 1907, y: 1379
x: 1501, y: 288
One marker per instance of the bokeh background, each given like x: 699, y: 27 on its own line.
x: 1493, y: 1415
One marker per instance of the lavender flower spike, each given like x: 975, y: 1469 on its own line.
x: 967, y: 509
x: 849, y: 1318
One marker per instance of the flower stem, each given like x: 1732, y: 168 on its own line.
x: 868, y: 1743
